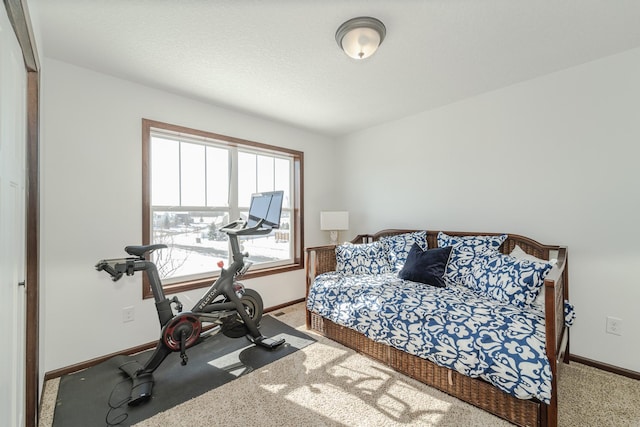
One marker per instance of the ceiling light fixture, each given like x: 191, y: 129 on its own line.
x: 360, y: 37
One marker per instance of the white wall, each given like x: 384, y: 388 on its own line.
x: 91, y: 204
x: 555, y: 159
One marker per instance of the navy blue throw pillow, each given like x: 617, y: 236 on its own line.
x: 426, y: 266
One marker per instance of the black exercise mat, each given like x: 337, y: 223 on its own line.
x: 84, y: 397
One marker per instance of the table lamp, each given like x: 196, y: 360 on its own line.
x: 333, y: 222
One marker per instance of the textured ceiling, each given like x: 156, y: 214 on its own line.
x: 279, y: 59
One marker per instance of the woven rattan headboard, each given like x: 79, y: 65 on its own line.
x: 528, y: 245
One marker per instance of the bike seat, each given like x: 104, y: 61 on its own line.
x: 141, y: 250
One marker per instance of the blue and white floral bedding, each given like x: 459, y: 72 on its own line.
x: 452, y: 326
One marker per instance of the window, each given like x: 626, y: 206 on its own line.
x: 195, y: 182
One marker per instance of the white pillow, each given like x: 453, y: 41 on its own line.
x: 519, y: 253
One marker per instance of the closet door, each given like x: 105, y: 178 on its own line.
x: 13, y: 87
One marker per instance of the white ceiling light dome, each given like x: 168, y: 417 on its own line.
x: 360, y: 37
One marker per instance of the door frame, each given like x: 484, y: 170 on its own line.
x: 18, y: 14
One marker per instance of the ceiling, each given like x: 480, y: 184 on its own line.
x: 279, y: 59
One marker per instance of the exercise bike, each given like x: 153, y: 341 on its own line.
x: 226, y: 305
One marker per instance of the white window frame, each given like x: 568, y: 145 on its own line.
x: 234, y: 145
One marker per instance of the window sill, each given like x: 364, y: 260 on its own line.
x: 208, y: 281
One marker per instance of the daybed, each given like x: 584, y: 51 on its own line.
x: 466, y: 332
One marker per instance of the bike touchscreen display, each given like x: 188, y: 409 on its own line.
x: 267, y: 206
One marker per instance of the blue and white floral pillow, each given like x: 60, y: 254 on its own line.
x: 518, y: 253
x: 399, y: 246
x: 507, y: 279
x: 366, y: 258
x: 465, y: 248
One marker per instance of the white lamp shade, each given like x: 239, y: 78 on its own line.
x: 334, y: 220
x: 361, y: 43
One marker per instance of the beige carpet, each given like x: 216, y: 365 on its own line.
x: 326, y: 384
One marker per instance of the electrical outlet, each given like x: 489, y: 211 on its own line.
x: 128, y: 314
x: 614, y: 325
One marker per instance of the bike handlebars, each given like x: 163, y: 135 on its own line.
x: 118, y: 267
x: 239, y: 228
x: 109, y: 268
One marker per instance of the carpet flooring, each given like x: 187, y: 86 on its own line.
x: 326, y: 384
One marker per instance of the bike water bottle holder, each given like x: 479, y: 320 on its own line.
x: 244, y: 269
x: 177, y: 302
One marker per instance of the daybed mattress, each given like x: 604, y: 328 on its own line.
x: 452, y: 327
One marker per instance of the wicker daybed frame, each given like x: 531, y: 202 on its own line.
x: 475, y: 391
